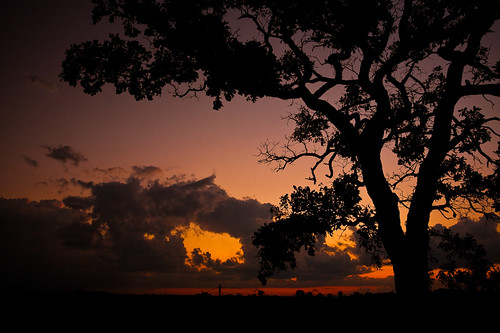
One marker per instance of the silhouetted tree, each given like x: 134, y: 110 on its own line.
x: 373, y: 77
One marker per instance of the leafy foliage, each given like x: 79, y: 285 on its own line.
x: 309, y: 127
x: 307, y: 214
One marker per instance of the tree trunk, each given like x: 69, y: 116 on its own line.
x: 411, y: 274
x: 408, y: 250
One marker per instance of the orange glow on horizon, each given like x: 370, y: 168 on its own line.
x: 274, y: 291
x: 381, y: 273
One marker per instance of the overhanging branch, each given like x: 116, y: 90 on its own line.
x: 480, y: 89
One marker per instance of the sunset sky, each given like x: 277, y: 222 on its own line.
x: 192, y: 228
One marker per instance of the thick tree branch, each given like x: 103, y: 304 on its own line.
x: 481, y: 89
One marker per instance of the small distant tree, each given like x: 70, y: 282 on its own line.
x: 300, y: 293
x: 373, y: 77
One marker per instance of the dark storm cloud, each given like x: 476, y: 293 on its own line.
x: 65, y: 154
x: 47, y: 247
x: 30, y: 161
x: 105, y: 240
x: 484, y: 231
x: 239, y: 218
x: 99, y: 241
x: 330, y: 266
x: 35, y: 253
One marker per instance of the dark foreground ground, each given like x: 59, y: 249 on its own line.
x: 100, y: 312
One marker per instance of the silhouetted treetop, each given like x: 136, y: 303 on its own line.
x: 174, y: 42
x: 372, y: 77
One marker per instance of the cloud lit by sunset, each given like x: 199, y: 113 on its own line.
x: 130, y: 233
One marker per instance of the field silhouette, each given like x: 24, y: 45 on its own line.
x: 441, y: 307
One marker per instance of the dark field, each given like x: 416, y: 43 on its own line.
x: 86, y: 311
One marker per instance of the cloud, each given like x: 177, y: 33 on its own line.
x: 65, y: 154
x: 42, y: 84
x: 107, y: 174
x: 54, y: 248
x: 40, y: 256
x: 486, y: 233
x: 30, y: 161
x: 130, y: 209
x: 331, y: 266
x: 239, y: 218
x: 124, y: 235
x: 67, y: 185
x: 484, y: 230
x: 103, y: 241
x: 149, y: 171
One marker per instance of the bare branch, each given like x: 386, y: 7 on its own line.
x: 266, y: 34
x: 491, y: 130
x: 486, y: 156
x: 288, y: 156
x: 404, y: 177
x: 402, y: 90
x: 188, y: 91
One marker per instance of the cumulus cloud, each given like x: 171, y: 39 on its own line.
x: 484, y: 230
x: 65, y: 154
x: 125, y: 234
x: 51, y: 247
x: 149, y: 171
x: 39, y: 253
x: 119, y: 236
x: 486, y: 233
x: 332, y: 265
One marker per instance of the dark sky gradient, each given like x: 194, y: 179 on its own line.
x: 183, y: 136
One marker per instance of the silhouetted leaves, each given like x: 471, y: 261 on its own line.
x: 309, y: 127
x: 307, y: 214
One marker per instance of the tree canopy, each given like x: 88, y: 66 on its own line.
x: 371, y: 76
